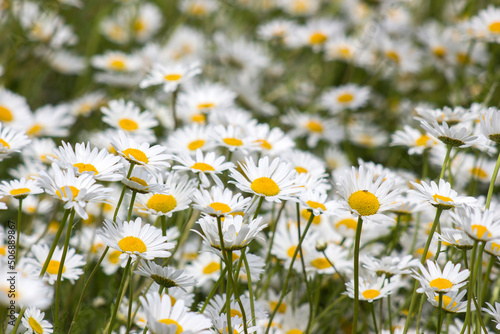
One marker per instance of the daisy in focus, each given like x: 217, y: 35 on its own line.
x: 441, y: 281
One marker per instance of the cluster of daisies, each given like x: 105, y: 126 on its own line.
x: 270, y: 166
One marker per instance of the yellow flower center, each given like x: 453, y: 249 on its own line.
x: 235, y: 313
x: 114, y: 257
x: 348, y: 223
x: 291, y: 251
x: 265, y: 186
x: 300, y: 170
x: 371, y: 293
x: 85, y: 168
x: 19, y: 191
x: 179, y: 329
x: 172, y: 77
x: 294, y: 331
x: 317, y: 38
x: 307, y: 215
x: 73, y: 189
x: 446, y: 301
x: 364, y: 202
x: 53, y: 267
x: 211, y: 268
x: 162, y: 203
x: 3, y: 250
x: 128, y: 124
x: 314, y: 126
x: 345, y: 98
x: 206, y: 105
x: 197, y: 9
x: 420, y: 251
x: 132, y: 244
x: 441, y: 284
x: 198, y: 118
x: 203, y: 167
x: 136, y: 155
x: 232, y: 141
x: 439, y: 51
x: 478, y: 172
x: 481, y: 231
x: 117, y: 64
x: 392, y: 56
x: 34, y: 130
x: 463, y: 58
x: 345, y: 52
x: 495, y: 247
x: 264, y: 144
x: 443, y: 198
x: 196, y: 144
x: 139, y: 25
x: 422, y: 140
x: 138, y: 180
x: 35, y: 325
x: 494, y: 27
x: 316, y: 205
x: 5, y: 114
x: 281, y: 308
x: 222, y: 207
x: 4, y: 143
x: 321, y: 263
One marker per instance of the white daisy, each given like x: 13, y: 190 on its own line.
x: 344, y: 97
x: 482, y: 226
x: 201, y: 99
x: 166, y: 277
x: 414, y: 139
x: 372, y: 288
x: 494, y: 311
x: 171, y: 76
x: 316, y: 202
x: 490, y: 124
x: 127, y: 117
x: 269, y: 141
x: 451, y: 302
x: 14, y: 109
x: 233, y: 138
x: 33, y: 320
x: 20, y: 188
x: 190, y: 138
x: 11, y: 140
x: 116, y: 61
x: 440, y: 196
x: 50, y: 121
x: 456, y: 136
x: 433, y: 279
x: 142, y: 181
x: 87, y: 103
x: 219, y: 202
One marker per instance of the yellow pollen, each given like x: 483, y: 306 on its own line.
x: 139, y: 25
x: 307, y: 214
x: 419, y: 252
x: 291, y: 251
x: 114, y: 257
x: 364, y: 202
x: 179, y: 329
x: 53, y: 267
x: 321, y: 263
x: 106, y: 207
x: 235, y: 313
x: 294, y: 331
x: 446, y: 301
x: 5, y: 114
x: 478, y: 172
x: 495, y: 247
x: 439, y: 51
x: 53, y: 226
x: 128, y: 124
x: 301, y: 170
x: 172, y: 77
x: 392, y: 56
x: 232, y: 141
x: 4, y: 143
x: 34, y: 130
x: 317, y: 38
x: 162, y: 203
x: 316, y: 205
x: 117, y: 64
x: 135, y: 155
x: 481, y: 231
x: 206, y: 105
x: 443, y: 198
x: 348, y: 223
x: 371, y: 293
x: 85, y: 168
x: 441, y: 284
x: 73, y: 189
x: 265, y: 186
x: 138, y: 180
x: 132, y: 244
x: 197, y: 9
x: 222, y: 207
x: 494, y: 27
x: 264, y: 144
x: 314, y: 126
x: 19, y: 191
x: 199, y: 118
x: 345, y: 98
x: 463, y: 58
x: 203, y: 167
x: 35, y: 325
x: 422, y: 140
x: 345, y: 52
x: 281, y: 308
x: 196, y: 144
x: 211, y: 268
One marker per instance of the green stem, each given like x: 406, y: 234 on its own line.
x: 214, y: 289
x: 390, y: 311
x: 174, y: 114
x: 374, y: 318
x: 419, y: 315
x: 229, y: 263
x: 492, y: 182
x: 471, y: 286
x: 122, y: 195
x: 487, y: 277
x: 163, y: 220
x: 61, y: 264
x: 119, y: 296
x: 19, y: 217
x: 446, y: 158
x: 250, y: 288
x: 357, y: 240
x: 440, y: 315
x: 130, y: 299
x: 259, y: 205
x: 18, y: 320
x: 54, y: 243
x: 131, y: 207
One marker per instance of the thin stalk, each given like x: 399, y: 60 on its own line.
x: 471, y: 286
x: 214, y: 289
x: 250, y: 288
x: 308, y: 287
x: 122, y: 195
x: 487, y: 277
x: 390, y: 311
x: 131, y: 207
x: 492, y: 183
x: 440, y: 315
x: 163, y: 220
x: 372, y: 307
x: 419, y: 315
x: 19, y: 217
x: 18, y: 320
x: 356, y: 275
x: 174, y: 113
x: 54, y: 243
x: 334, y: 268
x: 229, y: 259
x: 446, y: 158
x: 61, y: 264
x: 259, y: 205
x: 119, y: 296
x: 130, y: 299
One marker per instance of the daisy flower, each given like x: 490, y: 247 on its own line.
x: 367, y: 196
x: 494, y: 311
x: 316, y: 33
x: 433, y: 279
x: 20, y: 188
x: 299, y: 7
x: 486, y: 24
x: 456, y: 238
x: 163, y: 317
x: 203, y: 165
x: 272, y: 180
x: 166, y: 277
x: 389, y: 265
x: 74, y: 191
x: 33, y: 320
x: 50, y: 121
x: 490, y: 124
x: 269, y: 141
x: 206, y: 266
x: 190, y: 138
x: 87, y: 103
x: 152, y: 158
x: 102, y: 165
x: 11, y: 140
x: 198, y: 8
x: 171, y: 76
x: 320, y: 263
x: 134, y: 239
x: 414, y: 139
x: 127, y: 117
x: 493, y: 248
x: 116, y: 61
x: 71, y: 268
x: 440, y: 196
x: 201, y: 99
x: 372, y: 288
x: 176, y: 196
x: 233, y: 138
x: 482, y: 226
x: 344, y: 97
x: 14, y: 109
x: 235, y: 232
x: 142, y: 181
x: 456, y: 136
x: 40, y: 150
x: 451, y: 302
x: 219, y: 202
x: 217, y: 305
x: 341, y: 48
x: 276, y: 30
x: 316, y: 202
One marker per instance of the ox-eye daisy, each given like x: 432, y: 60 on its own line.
x: 190, y: 138
x: 367, y: 196
x: 166, y: 277
x: 12, y: 140
x: 372, y: 288
x: 203, y: 164
x: 494, y: 312
x: 490, y: 124
x: 20, y: 188
x: 455, y: 136
x: 414, y: 139
x: 272, y: 180
x: 34, y: 321
x: 142, y: 154
x: 219, y: 201
x: 101, y: 164
x: 233, y: 138
x: 142, y: 181
x: 440, y: 196
x: 451, y: 302
x: 117, y: 62
x: 345, y: 97
x: 170, y: 76
x: 126, y: 116
x: 482, y: 226
x: 316, y: 202
x: 135, y: 240
x: 433, y: 279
